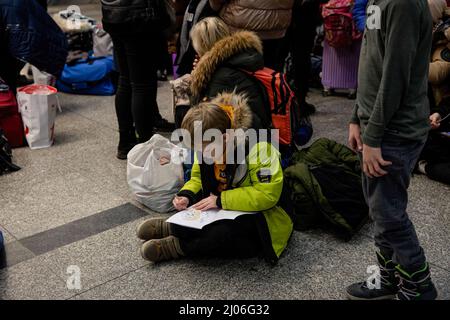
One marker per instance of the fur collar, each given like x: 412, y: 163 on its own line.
x: 219, y: 53
x: 242, y: 112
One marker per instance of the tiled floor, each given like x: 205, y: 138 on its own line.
x: 70, y: 206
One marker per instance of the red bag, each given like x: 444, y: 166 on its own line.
x: 340, y: 30
x: 10, y: 119
x: 283, y: 104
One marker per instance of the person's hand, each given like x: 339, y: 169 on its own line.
x: 194, y: 64
x: 206, y: 204
x: 180, y: 203
x: 373, y: 161
x: 354, y: 138
x: 435, y: 119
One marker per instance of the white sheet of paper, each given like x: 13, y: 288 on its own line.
x: 197, y: 219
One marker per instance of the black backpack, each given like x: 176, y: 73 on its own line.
x: 6, y: 164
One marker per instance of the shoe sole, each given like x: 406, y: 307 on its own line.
x: 353, y: 298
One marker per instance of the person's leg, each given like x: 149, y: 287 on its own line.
x: 43, y: 3
x: 227, y: 238
x: 142, y: 65
x: 395, y: 235
x: 304, y: 26
x: 271, y: 51
x: 439, y: 171
x: 123, y: 99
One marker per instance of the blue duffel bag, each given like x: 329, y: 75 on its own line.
x: 92, y: 76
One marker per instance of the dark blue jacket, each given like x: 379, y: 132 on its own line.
x: 359, y: 14
x: 31, y: 35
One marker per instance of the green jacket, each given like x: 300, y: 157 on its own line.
x: 326, y: 190
x: 255, y: 185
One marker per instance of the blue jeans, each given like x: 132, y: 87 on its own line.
x: 387, y: 198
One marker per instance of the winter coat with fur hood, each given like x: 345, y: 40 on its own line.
x: 253, y: 185
x: 220, y: 70
x: 268, y: 18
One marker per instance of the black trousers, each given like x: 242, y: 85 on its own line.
x: 273, y: 54
x: 302, y: 33
x: 136, y: 105
x: 222, y: 239
x: 9, y: 68
x: 43, y: 3
x: 437, y: 154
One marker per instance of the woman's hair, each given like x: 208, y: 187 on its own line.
x: 207, y: 32
x: 210, y: 115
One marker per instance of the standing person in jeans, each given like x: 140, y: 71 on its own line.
x: 135, y: 31
x: 389, y: 127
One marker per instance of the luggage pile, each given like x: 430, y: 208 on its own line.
x: 89, y: 67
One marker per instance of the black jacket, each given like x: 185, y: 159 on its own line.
x: 221, y: 70
x: 131, y: 16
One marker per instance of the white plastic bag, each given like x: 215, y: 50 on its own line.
x: 155, y: 173
x: 37, y: 105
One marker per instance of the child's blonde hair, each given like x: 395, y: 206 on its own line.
x: 211, y: 116
x: 207, y: 32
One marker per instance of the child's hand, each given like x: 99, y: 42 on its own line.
x: 206, y: 204
x: 180, y: 203
x: 435, y: 119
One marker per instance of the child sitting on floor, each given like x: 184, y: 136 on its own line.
x: 435, y: 158
x: 252, y: 185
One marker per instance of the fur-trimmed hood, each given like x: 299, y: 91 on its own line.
x: 241, y: 111
x: 222, y: 51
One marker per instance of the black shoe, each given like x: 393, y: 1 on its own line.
x: 307, y: 109
x: 351, y: 95
x: 127, y: 142
x: 162, y: 125
x: 122, y: 151
x: 388, y: 284
x: 162, y: 75
x: 327, y: 92
x: 416, y: 285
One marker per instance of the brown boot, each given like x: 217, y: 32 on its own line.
x: 157, y: 250
x: 155, y: 228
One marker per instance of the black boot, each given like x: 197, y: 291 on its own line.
x: 307, y: 109
x: 416, y: 285
x: 162, y: 125
x: 388, y: 284
x: 126, y: 143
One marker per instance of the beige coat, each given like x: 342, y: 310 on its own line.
x: 268, y: 18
